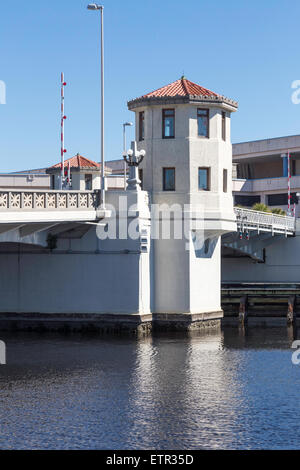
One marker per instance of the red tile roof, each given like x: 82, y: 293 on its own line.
x: 181, y: 87
x: 182, y: 90
x: 78, y: 162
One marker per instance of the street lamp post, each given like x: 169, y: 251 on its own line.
x: 95, y: 7
x: 124, y: 150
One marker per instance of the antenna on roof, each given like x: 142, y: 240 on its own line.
x: 63, y: 118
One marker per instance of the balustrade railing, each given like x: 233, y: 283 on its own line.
x: 48, y: 200
x: 89, y: 200
x: 251, y: 218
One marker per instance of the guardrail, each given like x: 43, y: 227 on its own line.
x: 248, y: 219
x: 48, y: 200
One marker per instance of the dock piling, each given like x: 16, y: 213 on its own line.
x: 291, y: 313
x: 243, y: 311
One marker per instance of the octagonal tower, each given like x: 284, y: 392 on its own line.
x: 185, y: 130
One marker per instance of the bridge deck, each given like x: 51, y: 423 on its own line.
x: 48, y: 205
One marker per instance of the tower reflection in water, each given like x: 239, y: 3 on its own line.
x: 186, y: 392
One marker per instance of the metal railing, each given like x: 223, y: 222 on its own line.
x: 248, y: 219
x: 48, y: 200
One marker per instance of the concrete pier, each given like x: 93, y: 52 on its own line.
x: 89, y: 323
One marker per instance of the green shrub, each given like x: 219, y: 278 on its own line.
x: 259, y: 206
x: 278, y: 211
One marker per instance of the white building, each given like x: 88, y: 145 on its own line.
x: 262, y: 176
x: 262, y: 172
x: 26, y: 180
x: 84, y: 174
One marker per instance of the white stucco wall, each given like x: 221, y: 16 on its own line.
x: 74, y: 278
x: 27, y: 181
x: 84, y: 283
x: 205, y: 281
x: 183, y: 281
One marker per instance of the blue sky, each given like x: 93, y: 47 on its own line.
x: 246, y: 50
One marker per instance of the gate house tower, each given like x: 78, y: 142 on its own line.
x: 185, y: 130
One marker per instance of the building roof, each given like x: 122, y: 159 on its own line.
x: 78, y: 162
x: 181, y: 87
x: 182, y: 90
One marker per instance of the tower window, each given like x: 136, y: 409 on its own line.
x: 203, y: 122
x: 169, y: 179
x: 204, y: 179
x: 223, y: 125
x: 225, y: 173
x: 88, y: 179
x: 168, y: 123
x: 141, y: 125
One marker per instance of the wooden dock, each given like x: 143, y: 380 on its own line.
x: 261, y: 303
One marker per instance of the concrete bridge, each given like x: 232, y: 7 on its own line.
x: 29, y: 216
x: 256, y: 231
x: 128, y: 282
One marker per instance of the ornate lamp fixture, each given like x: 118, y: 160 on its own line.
x: 134, y: 158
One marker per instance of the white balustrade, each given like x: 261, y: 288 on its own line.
x: 48, y: 200
x: 251, y: 219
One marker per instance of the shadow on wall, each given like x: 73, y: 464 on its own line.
x: 204, y: 247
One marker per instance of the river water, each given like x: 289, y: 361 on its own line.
x: 226, y: 390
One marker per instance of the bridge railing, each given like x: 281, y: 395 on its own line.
x: 48, y: 200
x: 248, y: 218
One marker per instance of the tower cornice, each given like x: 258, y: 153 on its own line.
x: 178, y: 99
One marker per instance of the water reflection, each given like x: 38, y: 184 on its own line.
x: 224, y: 390
x: 191, y: 393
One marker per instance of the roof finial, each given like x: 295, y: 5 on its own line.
x: 183, y: 76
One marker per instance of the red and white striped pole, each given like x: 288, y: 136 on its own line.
x: 289, y: 185
x: 63, y: 117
